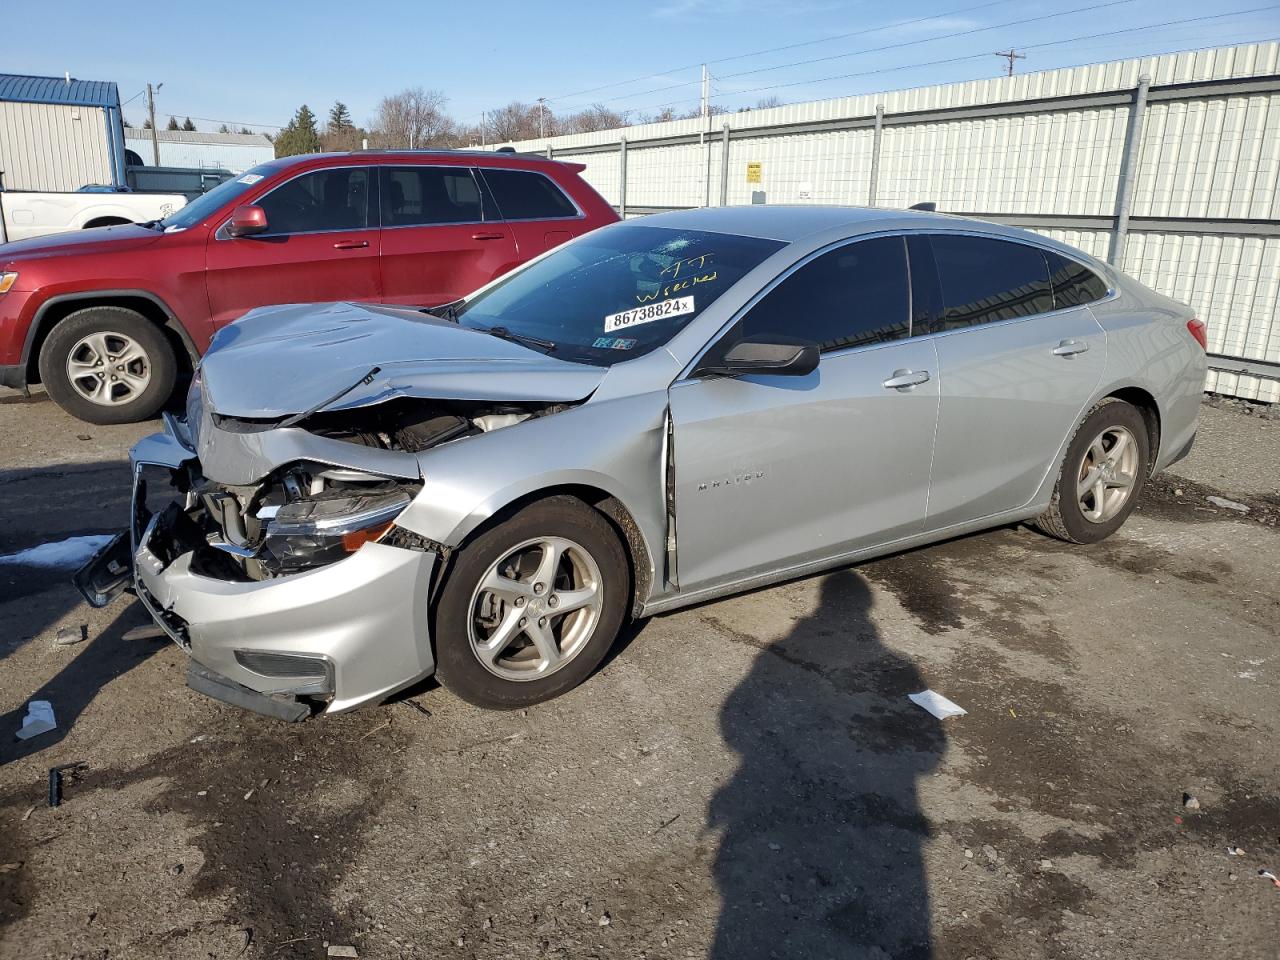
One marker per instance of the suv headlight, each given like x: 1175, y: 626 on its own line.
x: 7, y: 280
x: 310, y: 533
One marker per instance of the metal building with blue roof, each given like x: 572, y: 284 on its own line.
x: 59, y: 133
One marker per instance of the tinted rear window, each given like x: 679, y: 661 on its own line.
x: 1074, y: 284
x: 413, y: 196
x: 984, y: 280
x: 523, y: 195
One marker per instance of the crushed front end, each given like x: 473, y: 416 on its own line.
x: 291, y: 593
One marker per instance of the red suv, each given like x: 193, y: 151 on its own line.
x: 107, y: 319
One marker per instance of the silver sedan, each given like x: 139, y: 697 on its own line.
x: 661, y: 412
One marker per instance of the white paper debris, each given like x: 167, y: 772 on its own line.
x: 1227, y: 504
x: 936, y: 704
x: 39, y: 719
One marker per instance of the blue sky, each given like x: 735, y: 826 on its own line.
x: 255, y: 63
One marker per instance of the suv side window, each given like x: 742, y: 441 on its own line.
x: 419, y: 196
x: 333, y: 199
x: 524, y: 195
x: 984, y: 280
x: 1073, y: 283
x: 854, y: 295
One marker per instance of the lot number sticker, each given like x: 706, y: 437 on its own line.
x: 648, y: 313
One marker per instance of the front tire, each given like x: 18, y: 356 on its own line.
x: 108, y: 365
x: 531, y: 606
x: 1102, y: 475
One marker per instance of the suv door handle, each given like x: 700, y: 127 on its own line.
x: 350, y: 244
x: 1069, y: 348
x: 902, y: 379
x: 488, y: 236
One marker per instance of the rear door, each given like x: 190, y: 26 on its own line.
x: 1016, y: 372
x: 321, y: 244
x: 777, y: 471
x: 441, y: 236
x: 539, y: 214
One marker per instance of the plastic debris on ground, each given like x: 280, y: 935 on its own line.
x: 39, y: 719
x: 1235, y: 851
x: 343, y: 951
x: 69, y: 635
x: 1228, y: 504
x: 936, y: 704
x: 1268, y: 875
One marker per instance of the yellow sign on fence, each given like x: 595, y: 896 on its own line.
x: 753, y: 173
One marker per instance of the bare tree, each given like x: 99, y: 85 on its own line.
x: 595, y: 117
x: 765, y: 103
x: 520, y: 121
x: 414, y: 118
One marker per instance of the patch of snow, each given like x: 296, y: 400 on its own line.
x: 68, y: 554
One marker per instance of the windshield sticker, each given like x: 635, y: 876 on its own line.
x: 250, y: 178
x: 648, y: 313
x: 613, y: 343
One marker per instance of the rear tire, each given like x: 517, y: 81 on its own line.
x: 531, y: 636
x: 84, y: 351
x: 1102, y: 475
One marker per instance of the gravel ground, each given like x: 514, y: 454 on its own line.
x: 742, y: 779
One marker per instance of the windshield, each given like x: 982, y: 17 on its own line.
x: 208, y: 204
x: 617, y: 293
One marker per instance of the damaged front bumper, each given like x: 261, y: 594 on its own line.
x: 339, y: 635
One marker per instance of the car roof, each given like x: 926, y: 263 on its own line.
x: 480, y: 157
x: 789, y: 224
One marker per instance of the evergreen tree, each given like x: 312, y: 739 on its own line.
x: 339, y: 116
x: 224, y: 129
x: 173, y: 124
x: 187, y: 124
x: 300, y: 135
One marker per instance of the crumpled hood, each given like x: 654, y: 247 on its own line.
x: 96, y: 240
x: 278, y: 361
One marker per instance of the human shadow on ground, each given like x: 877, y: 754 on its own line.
x: 822, y: 845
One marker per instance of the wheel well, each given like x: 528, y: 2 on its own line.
x: 624, y: 525
x: 145, y: 306
x: 1150, y: 411
x: 105, y: 222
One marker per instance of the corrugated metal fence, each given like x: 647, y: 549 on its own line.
x: 1167, y: 165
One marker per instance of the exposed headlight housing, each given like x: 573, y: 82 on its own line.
x: 7, y: 280
x: 310, y: 533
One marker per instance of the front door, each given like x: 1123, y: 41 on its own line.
x: 774, y: 471
x: 321, y: 244
x: 1016, y: 375
x: 441, y: 238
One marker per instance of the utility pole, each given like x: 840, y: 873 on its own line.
x: 542, y: 116
x: 1010, y: 55
x: 483, y: 139
x: 706, y: 92
x: 151, y: 115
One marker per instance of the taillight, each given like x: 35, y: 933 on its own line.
x: 1197, y: 330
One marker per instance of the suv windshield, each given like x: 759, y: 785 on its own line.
x: 618, y: 292
x: 208, y: 204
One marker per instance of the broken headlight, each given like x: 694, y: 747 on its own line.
x: 309, y: 533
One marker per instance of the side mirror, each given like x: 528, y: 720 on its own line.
x: 246, y: 220
x: 774, y: 355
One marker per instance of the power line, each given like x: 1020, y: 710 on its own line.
x: 789, y: 46
x: 889, y: 46
x: 977, y: 56
x: 230, y: 123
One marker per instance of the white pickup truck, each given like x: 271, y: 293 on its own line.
x: 26, y: 214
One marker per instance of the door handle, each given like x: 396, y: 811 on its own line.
x: 350, y: 244
x: 488, y: 236
x: 1069, y: 348
x: 904, y: 379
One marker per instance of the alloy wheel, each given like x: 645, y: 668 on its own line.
x: 1108, y: 474
x: 108, y: 368
x: 535, y: 608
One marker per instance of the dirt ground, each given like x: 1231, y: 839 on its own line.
x: 743, y: 779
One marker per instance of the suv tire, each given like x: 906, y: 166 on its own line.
x: 127, y: 347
